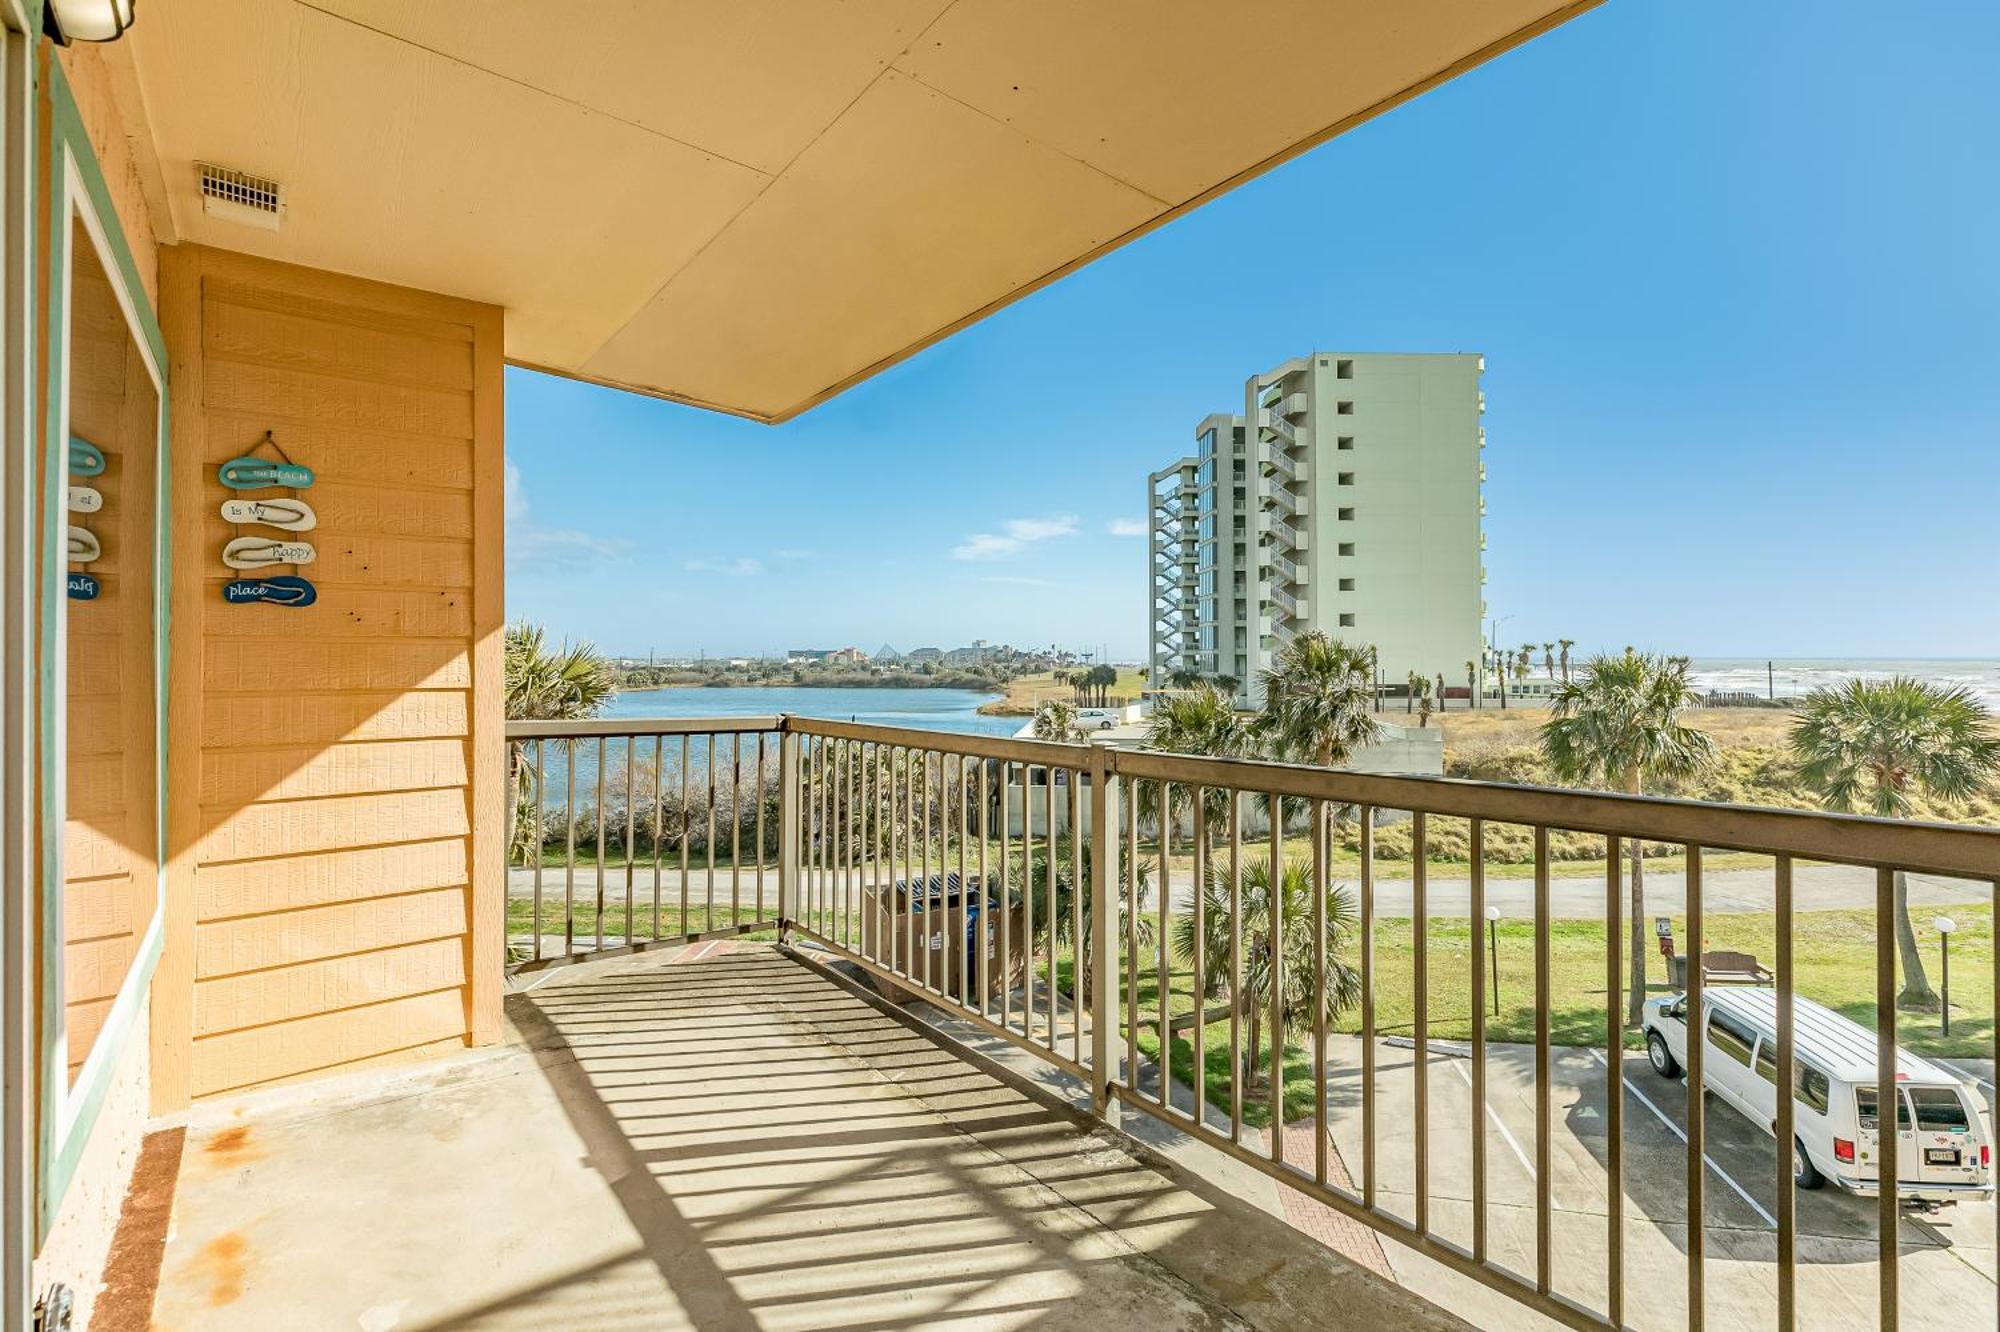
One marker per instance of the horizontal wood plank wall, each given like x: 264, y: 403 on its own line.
x: 110, y: 858
x: 336, y: 768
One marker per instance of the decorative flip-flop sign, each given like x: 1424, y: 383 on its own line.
x: 287, y: 513
x: 82, y: 545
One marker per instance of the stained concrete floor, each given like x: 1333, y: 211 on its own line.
x: 729, y: 1140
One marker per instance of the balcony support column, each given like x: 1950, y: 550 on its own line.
x: 788, y: 827
x: 1105, y: 881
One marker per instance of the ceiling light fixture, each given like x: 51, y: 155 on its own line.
x: 88, y: 20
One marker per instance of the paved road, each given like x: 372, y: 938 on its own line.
x: 1724, y: 892
x: 1946, y: 1270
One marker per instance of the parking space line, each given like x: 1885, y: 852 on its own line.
x: 1506, y: 1134
x: 1707, y: 1160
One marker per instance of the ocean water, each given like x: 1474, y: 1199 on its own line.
x: 932, y: 709
x: 1796, y: 676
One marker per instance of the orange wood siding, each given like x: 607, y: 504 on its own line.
x: 337, y: 768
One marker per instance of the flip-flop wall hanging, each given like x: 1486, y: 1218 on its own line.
x: 83, y: 547
x: 85, y: 458
x: 292, y: 515
x: 281, y: 591
x: 254, y: 552
x: 256, y: 474
x: 85, y: 499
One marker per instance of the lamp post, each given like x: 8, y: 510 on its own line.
x: 1493, y: 949
x: 1945, y: 925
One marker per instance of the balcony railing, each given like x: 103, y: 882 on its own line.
x: 1029, y: 890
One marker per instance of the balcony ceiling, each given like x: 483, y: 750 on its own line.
x: 753, y: 204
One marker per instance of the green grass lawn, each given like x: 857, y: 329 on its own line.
x: 521, y: 917
x: 557, y: 857
x: 1834, y: 953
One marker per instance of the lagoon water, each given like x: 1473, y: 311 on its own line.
x: 933, y: 709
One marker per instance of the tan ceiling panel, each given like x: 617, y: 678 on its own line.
x: 407, y: 167
x: 1175, y: 96
x: 752, y: 80
x: 910, y: 213
x: 752, y: 204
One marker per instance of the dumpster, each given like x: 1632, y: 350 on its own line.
x: 936, y: 929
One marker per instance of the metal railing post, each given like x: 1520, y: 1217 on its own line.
x: 1105, y: 878
x: 788, y: 826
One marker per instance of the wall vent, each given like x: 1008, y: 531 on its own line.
x: 238, y: 196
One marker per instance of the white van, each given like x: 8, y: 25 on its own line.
x: 1943, y: 1153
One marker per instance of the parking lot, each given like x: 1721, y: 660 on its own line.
x: 1947, y: 1267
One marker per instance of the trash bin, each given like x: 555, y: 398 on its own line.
x: 933, y: 930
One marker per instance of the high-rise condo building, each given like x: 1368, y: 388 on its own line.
x: 1345, y: 498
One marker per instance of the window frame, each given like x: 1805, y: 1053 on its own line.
x: 78, y: 193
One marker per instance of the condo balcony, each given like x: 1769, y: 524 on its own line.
x: 380, y: 1011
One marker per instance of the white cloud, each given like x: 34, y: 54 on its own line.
x: 1014, y: 534
x: 1041, y: 529
x: 530, y: 546
x: 1126, y: 527
x: 741, y: 566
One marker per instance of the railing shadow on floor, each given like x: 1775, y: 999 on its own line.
x: 777, y: 1146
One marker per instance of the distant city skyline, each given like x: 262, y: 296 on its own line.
x: 1736, y: 299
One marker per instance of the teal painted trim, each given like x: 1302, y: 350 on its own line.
x: 93, y: 1080
x: 66, y: 131
x: 69, y: 1115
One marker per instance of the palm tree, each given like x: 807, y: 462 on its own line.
x: 1205, y: 722
x: 1439, y: 695
x: 1472, y: 684
x: 1524, y: 660
x: 1413, y: 684
x: 1500, y: 674
x: 1052, y: 934
x: 1549, y: 659
x: 1425, y: 706
x: 1184, y: 678
x: 1293, y: 976
x: 1874, y: 744
x: 1056, y: 720
x: 1565, y: 644
x: 1618, y: 725
x: 1317, y: 699
x: 566, y: 684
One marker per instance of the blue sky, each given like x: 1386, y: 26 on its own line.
x: 1733, y: 268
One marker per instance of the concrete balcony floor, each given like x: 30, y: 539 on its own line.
x: 718, y: 1137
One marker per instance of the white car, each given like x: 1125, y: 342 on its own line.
x: 1943, y: 1152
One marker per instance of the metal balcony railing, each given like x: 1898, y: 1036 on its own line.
x: 1028, y: 889
x: 1282, y: 501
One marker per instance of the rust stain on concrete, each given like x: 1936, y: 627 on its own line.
x: 221, y: 1264
x: 232, y: 1147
